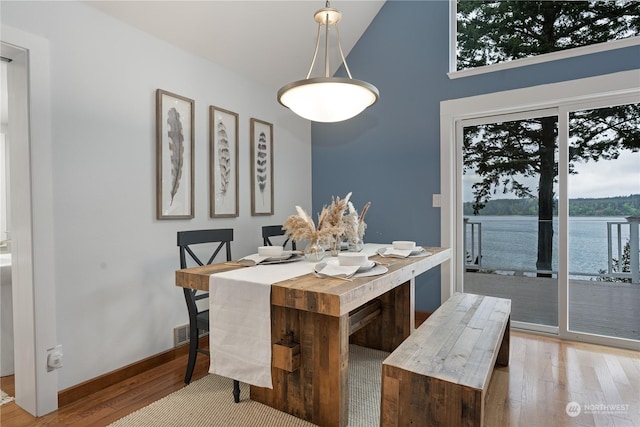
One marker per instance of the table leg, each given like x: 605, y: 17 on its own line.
x: 395, y: 323
x: 319, y: 390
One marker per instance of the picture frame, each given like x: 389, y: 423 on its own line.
x: 174, y: 156
x: 261, y: 167
x: 223, y: 163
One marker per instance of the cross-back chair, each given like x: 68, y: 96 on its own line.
x: 193, y: 244
x: 269, y: 231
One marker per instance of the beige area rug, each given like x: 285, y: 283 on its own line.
x: 208, y: 401
x: 5, y: 398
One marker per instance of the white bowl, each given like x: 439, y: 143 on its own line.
x: 403, y: 245
x: 352, y: 258
x: 270, y: 251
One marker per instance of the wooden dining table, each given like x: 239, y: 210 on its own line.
x: 313, y: 321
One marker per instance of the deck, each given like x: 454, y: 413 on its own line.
x: 602, y: 308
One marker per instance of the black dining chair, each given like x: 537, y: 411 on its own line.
x: 212, y: 242
x: 269, y: 231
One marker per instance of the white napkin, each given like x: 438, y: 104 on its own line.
x: 253, y: 259
x: 399, y: 253
x: 336, y: 270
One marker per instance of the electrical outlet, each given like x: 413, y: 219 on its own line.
x: 181, y: 335
x: 54, y: 358
x: 436, y: 201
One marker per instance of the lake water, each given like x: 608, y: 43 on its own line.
x: 511, y: 242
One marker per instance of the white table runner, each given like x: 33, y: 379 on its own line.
x: 240, y: 318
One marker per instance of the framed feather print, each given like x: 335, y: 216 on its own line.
x: 174, y: 156
x: 223, y: 163
x: 261, y: 167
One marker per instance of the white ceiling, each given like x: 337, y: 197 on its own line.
x: 271, y: 42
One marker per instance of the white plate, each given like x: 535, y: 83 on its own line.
x: 368, y: 266
x: 285, y: 255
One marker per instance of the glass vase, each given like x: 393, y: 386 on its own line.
x: 314, y: 252
x: 355, y: 245
x: 336, y: 242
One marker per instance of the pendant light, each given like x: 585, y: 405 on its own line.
x: 328, y: 99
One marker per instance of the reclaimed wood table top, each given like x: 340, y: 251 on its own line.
x: 330, y: 296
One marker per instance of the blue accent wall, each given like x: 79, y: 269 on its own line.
x: 390, y: 154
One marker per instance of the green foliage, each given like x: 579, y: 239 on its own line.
x: 505, y: 152
x: 610, y: 206
x: 602, y: 133
x: 522, y: 207
x: 625, y: 267
x: 501, y: 154
x: 495, y: 31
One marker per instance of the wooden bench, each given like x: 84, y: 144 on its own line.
x: 440, y: 374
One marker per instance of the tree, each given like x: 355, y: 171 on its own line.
x: 505, y: 154
x: 497, y: 31
x: 624, y: 266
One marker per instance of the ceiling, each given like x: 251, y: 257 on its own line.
x: 271, y: 42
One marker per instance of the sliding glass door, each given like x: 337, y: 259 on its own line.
x: 603, y: 197
x: 510, y: 231
x: 550, y: 213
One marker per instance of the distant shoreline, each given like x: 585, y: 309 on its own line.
x: 620, y: 206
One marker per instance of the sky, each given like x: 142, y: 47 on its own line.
x: 605, y: 178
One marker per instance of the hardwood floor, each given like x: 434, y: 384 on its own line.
x: 110, y: 404
x: 547, y: 374
x: 544, y: 375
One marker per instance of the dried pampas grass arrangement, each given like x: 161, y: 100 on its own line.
x: 301, y: 227
x: 333, y: 224
x: 354, y: 224
x: 335, y: 211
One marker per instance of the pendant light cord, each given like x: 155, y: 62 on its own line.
x: 326, y: 46
x: 327, y: 67
x: 344, y: 61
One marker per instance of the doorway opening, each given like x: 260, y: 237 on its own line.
x: 27, y: 132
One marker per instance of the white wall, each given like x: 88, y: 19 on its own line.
x: 114, y: 262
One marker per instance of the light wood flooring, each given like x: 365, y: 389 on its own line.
x: 544, y: 376
x: 110, y: 404
x: 547, y: 374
